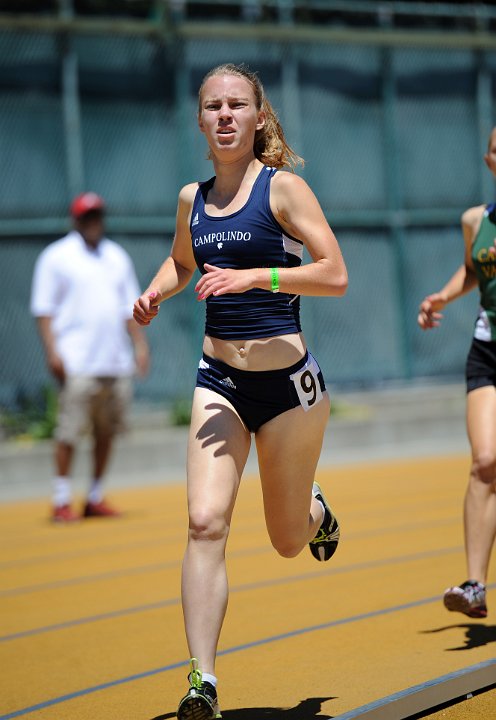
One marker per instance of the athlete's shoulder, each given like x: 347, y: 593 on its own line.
x: 185, y: 203
x: 473, y: 215
x: 290, y: 195
x: 287, y: 180
x: 187, y: 192
x: 289, y: 189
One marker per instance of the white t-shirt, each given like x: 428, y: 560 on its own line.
x: 89, y: 294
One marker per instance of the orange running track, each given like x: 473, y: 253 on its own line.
x: 91, y: 624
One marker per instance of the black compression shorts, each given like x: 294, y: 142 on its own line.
x: 480, y: 369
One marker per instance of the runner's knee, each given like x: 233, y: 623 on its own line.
x: 287, y: 545
x: 484, y: 466
x: 206, y: 524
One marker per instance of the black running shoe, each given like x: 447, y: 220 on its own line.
x: 324, y: 544
x: 200, y: 702
x: 468, y: 598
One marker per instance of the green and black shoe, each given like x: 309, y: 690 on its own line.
x: 200, y: 702
x: 325, y: 543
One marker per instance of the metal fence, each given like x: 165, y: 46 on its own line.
x: 392, y: 125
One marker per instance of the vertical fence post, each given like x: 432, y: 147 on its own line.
x: 71, y: 108
x: 291, y: 103
x: 182, y: 113
x: 484, y: 123
x: 395, y: 205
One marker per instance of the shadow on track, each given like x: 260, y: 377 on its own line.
x: 305, y: 710
x: 476, y: 635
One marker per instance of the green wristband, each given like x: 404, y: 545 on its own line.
x: 274, y: 280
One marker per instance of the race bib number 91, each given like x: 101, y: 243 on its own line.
x: 307, y: 384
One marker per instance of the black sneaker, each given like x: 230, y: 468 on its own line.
x: 200, y: 702
x: 468, y: 598
x: 324, y: 544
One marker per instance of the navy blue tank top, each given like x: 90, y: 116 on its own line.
x: 249, y: 238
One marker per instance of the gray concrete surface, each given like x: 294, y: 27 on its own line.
x: 418, y: 419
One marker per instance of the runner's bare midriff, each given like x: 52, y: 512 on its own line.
x: 272, y: 353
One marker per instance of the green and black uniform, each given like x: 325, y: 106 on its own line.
x: 481, y: 361
x: 484, y: 260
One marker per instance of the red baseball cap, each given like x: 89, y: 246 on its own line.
x: 85, y: 203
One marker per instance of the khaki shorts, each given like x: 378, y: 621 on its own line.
x: 96, y: 404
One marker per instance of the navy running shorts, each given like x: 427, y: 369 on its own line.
x: 258, y: 396
x: 480, y: 369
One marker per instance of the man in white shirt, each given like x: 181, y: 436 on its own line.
x: 84, y: 287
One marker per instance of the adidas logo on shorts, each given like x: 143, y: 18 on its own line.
x: 228, y: 383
